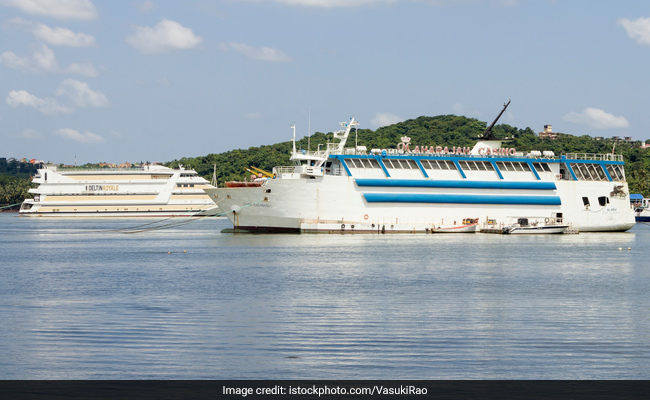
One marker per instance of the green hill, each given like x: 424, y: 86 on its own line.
x: 445, y: 130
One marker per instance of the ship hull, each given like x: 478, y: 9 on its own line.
x: 339, y: 204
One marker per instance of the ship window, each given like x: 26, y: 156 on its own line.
x: 518, y: 166
x: 468, y: 165
x: 585, y: 201
x: 412, y: 164
x: 610, y: 169
x: 603, y: 200
x: 542, y: 167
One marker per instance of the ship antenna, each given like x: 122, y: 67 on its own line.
x: 356, y: 138
x: 293, y: 126
x: 487, y: 135
x: 309, y: 132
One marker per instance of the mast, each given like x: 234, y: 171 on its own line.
x: 487, y: 135
x: 213, y: 181
x: 293, y: 126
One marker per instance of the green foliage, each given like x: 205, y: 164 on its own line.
x: 13, y: 191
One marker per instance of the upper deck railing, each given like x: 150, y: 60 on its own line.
x: 545, y: 155
x: 594, y: 157
x: 153, y: 168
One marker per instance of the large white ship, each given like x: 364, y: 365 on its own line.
x: 431, y: 188
x: 148, y: 191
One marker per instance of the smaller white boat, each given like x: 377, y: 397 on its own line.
x: 641, y: 207
x: 469, y: 225
x: 534, y: 226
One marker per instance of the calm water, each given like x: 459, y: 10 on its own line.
x: 82, y: 299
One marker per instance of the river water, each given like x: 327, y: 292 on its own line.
x: 94, y: 299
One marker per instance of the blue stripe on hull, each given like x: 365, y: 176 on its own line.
x: 461, y: 199
x: 428, y: 183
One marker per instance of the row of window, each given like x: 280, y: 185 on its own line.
x: 616, y: 172
x: 602, y: 201
x: 583, y: 171
x: 589, y: 172
x: 476, y: 165
x: 370, y: 163
x: 438, y: 164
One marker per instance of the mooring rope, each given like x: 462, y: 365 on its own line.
x: 11, y: 205
x: 186, y: 221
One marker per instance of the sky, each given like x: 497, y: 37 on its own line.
x: 149, y: 80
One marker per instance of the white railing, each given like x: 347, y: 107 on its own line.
x: 284, y: 170
x: 595, y: 157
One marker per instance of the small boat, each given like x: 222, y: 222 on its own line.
x: 641, y: 207
x: 643, y: 215
x: 469, y: 225
x: 525, y: 226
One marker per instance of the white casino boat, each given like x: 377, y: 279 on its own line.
x: 416, y: 189
x: 148, y: 191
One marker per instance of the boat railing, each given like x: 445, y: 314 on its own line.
x: 284, y: 170
x: 544, y: 155
x: 594, y: 157
x: 98, y: 169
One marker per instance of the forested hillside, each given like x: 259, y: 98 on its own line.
x: 443, y: 130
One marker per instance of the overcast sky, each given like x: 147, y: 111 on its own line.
x: 158, y: 80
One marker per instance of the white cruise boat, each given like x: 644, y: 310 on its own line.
x: 419, y: 188
x: 148, y: 191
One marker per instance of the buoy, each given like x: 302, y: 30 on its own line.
x: 629, y: 248
x: 169, y: 252
x: 620, y: 248
x: 184, y: 251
